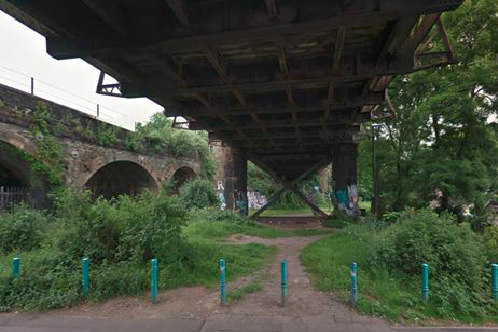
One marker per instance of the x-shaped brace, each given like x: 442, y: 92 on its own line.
x: 286, y: 185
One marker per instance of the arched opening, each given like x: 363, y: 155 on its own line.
x: 120, y: 178
x: 14, y: 170
x: 182, y: 175
x: 17, y: 182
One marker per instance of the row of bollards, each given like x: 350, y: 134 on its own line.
x: 283, y: 282
x: 424, y: 284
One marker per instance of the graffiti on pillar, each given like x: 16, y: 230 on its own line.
x: 341, y: 199
x: 347, y: 199
x: 255, y: 200
x: 353, y: 198
x: 221, y: 196
x: 220, y: 185
x: 241, y: 202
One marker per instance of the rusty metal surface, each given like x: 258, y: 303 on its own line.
x: 277, y: 78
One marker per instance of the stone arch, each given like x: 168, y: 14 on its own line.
x: 119, y: 178
x: 15, y: 171
x: 182, y: 175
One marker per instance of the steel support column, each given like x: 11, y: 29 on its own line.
x: 344, y: 175
x: 235, y: 174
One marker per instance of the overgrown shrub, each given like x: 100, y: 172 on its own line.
x: 122, y: 229
x: 198, y: 194
x: 21, y: 229
x: 454, y: 253
x: 490, y: 238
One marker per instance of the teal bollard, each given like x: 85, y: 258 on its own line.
x: 354, y: 285
x: 84, y: 276
x: 15, y: 267
x: 222, y: 282
x: 283, y: 281
x: 494, y: 281
x: 424, y: 288
x: 153, y: 281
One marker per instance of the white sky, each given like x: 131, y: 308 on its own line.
x: 23, y: 52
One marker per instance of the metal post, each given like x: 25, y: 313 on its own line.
x: 153, y: 282
x: 15, y: 267
x: 98, y: 111
x: 374, y: 177
x: 494, y: 281
x: 222, y: 282
x: 84, y: 276
x: 32, y: 86
x: 354, y: 285
x: 425, y: 282
x: 283, y: 280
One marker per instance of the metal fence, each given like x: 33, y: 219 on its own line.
x: 34, y: 198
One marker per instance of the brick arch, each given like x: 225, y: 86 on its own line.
x: 18, y: 141
x: 15, y: 171
x: 120, y: 177
x: 182, y: 174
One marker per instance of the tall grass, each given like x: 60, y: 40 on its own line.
x: 383, y: 292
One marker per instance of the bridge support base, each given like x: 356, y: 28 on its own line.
x: 292, y: 186
x: 235, y: 184
x: 344, y: 175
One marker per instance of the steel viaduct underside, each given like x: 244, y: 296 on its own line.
x: 286, y: 83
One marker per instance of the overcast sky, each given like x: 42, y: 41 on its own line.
x: 23, y: 56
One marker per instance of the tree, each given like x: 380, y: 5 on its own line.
x: 442, y: 141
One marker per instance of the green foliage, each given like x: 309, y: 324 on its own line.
x: 120, y: 236
x: 338, y: 220
x: 214, y: 223
x: 197, y: 194
x: 490, y: 238
x: 441, y: 140
x: 47, y: 160
x: 122, y: 229
x: 390, y: 257
x: 107, y: 134
x: 159, y: 135
x: 424, y: 237
x: 21, y: 229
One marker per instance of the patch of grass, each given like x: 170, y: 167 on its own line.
x: 222, y: 229
x: 237, y: 294
x: 305, y: 210
x: 394, y: 296
x: 311, y: 232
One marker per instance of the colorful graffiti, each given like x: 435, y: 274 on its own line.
x: 347, y: 199
x: 241, y: 203
x: 256, y: 200
x: 221, y: 196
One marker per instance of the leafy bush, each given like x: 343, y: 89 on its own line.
x: 490, y: 238
x: 197, y: 194
x: 336, y: 222
x: 122, y: 229
x: 454, y: 254
x: 21, y: 229
x: 425, y: 237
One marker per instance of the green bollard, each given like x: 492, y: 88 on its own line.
x: 354, y: 285
x: 494, y: 281
x: 283, y: 281
x: 15, y: 267
x: 84, y: 276
x: 424, y: 288
x: 153, y: 281
x: 222, y: 282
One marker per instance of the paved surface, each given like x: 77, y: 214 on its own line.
x: 215, y: 322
